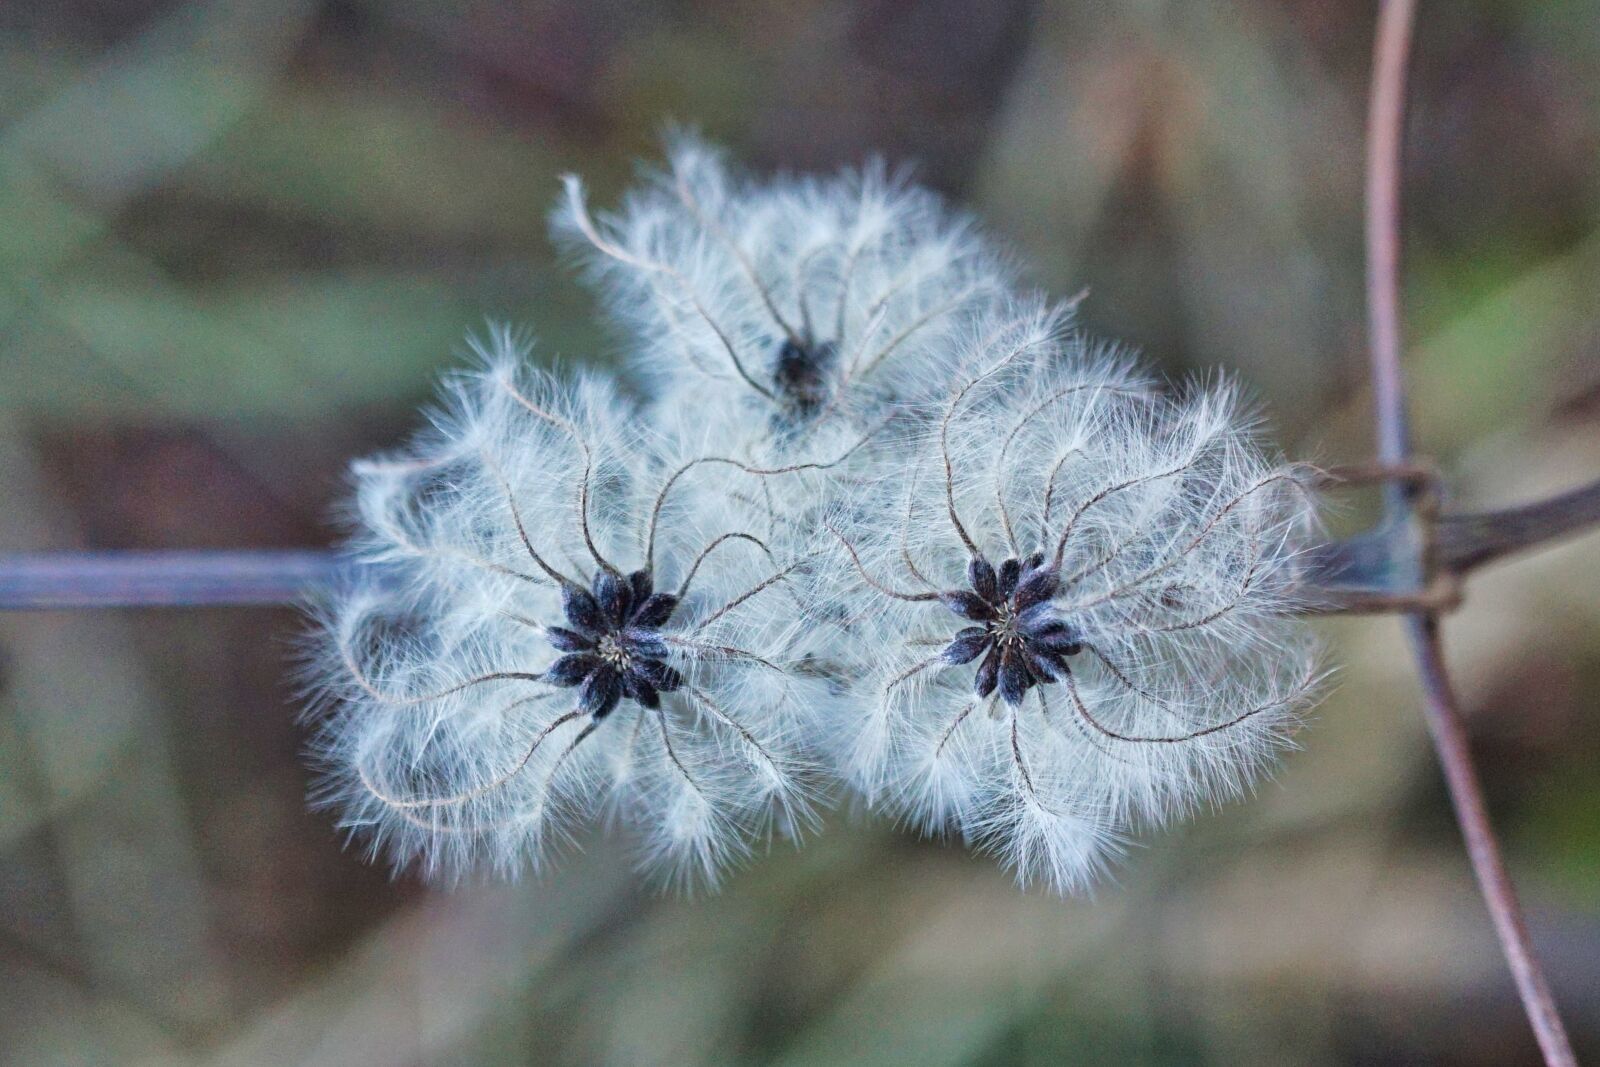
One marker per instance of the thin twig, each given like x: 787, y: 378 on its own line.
x: 1385, y: 123
x: 1369, y: 574
x: 1391, y: 53
x: 164, y: 579
x: 1466, y: 542
x: 1466, y: 794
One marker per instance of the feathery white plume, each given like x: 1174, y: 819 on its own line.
x: 1072, y: 618
x: 797, y: 324
x: 779, y: 311
x: 549, y: 639
x: 878, y: 510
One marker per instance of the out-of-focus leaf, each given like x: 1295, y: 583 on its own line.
x: 393, y: 162
x: 1492, y: 365
x: 1559, y: 830
x: 290, y: 345
x: 129, y: 119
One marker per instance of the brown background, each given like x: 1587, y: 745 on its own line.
x: 239, y: 237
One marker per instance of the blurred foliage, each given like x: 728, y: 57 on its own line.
x: 239, y: 238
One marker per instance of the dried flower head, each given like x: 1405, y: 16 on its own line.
x: 785, y: 311
x: 1073, y: 615
x: 877, y: 509
x: 795, y: 325
x: 552, y: 639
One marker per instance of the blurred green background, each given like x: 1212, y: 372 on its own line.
x: 238, y: 238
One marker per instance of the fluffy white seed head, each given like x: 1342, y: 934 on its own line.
x: 789, y: 315
x: 797, y: 325
x: 1072, y: 617
x: 546, y: 639
x: 877, y: 510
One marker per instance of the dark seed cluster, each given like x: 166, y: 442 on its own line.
x: 801, y: 372
x: 1022, y: 640
x: 614, y: 648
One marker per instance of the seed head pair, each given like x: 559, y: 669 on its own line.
x: 883, y: 522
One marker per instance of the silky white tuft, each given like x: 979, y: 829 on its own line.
x: 795, y: 325
x: 547, y: 639
x: 878, y: 514
x: 788, y: 314
x: 1073, y: 618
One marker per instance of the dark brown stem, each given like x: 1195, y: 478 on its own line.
x: 1385, y: 123
x: 1391, y: 53
x: 1466, y: 794
x: 1465, y: 542
x: 1379, y: 572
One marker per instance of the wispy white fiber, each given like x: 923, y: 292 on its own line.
x: 796, y: 324
x: 1075, y: 612
x: 879, y: 518
x: 547, y: 641
x: 789, y: 314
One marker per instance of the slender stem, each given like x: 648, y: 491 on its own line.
x: 1385, y: 123
x: 163, y: 579
x: 1488, y: 864
x: 1391, y: 53
x: 1364, y: 574
x: 1465, y: 542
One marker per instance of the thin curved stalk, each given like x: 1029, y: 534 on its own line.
x: 1391, y: 53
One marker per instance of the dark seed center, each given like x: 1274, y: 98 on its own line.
x: 1020, y: 640
x: 801, y: 371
